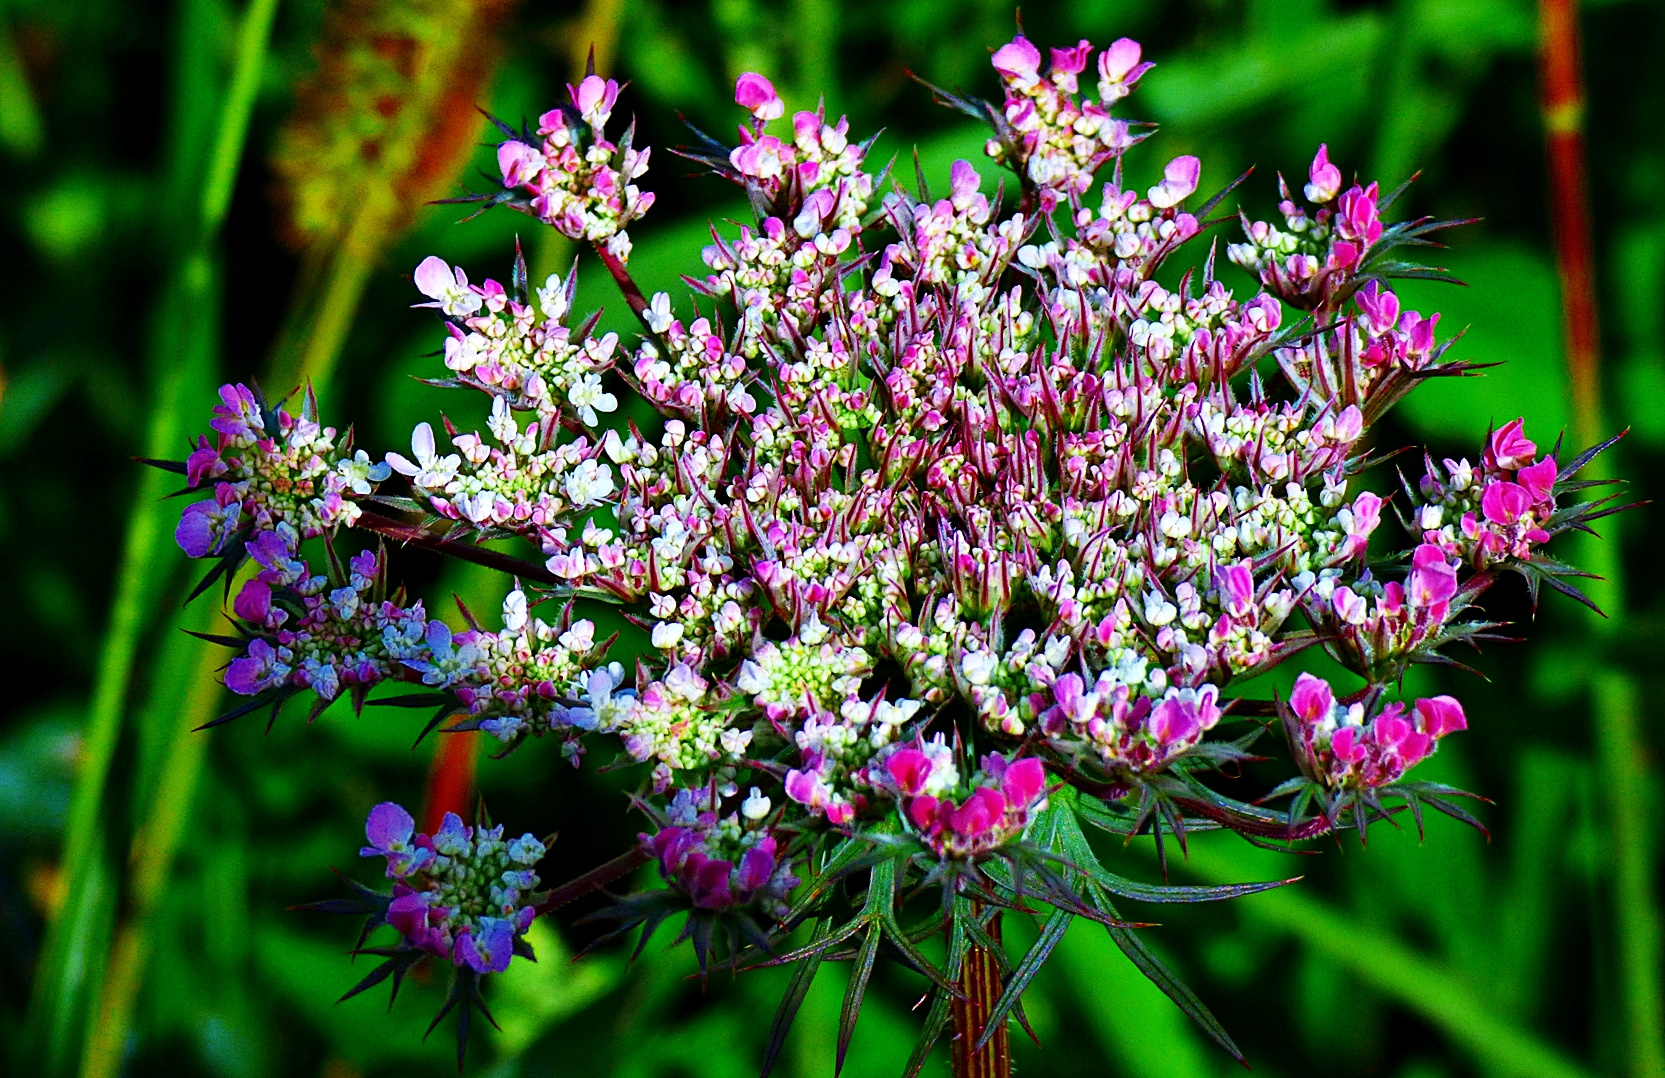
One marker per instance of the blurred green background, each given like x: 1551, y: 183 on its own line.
x: 196, y: 191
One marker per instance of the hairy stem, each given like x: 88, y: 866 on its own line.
x: 594, y: 880
x: 981, y: 988
x: 418, y: 536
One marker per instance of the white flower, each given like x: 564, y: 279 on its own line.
x: 978, y: 666
x: 502, y: 422
x: 360, y: 473
x: 658, y: 315
x: 552, y: 298
x: 514, y: 611
x: 430, y: 471
x: 449, y: 290
x: 734, y: 743
x: 1158, y: 611
x: 589, y: 484
x: 756, y: 806
x: 580, y: 637
x: 587, y: 398
x: 666, y: 634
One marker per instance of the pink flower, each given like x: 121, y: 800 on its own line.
x: 1539, y: 480
x: 1504, y: 502
x: 1183, y: 715
x: 1432, y: 582
x: 594, y: 99
x: 1312, y: 701
x: 981, y: 813
x: 764, y: 159
x: 1237, y: 589
x: 519, y: 163
x: 1357, y: 218
x: 1179, y: 182
x: 1024, y: 782
x: 1119, y: 69
x: 1068, y: 63
x: 1366, y: 517
x: 1379, y: 305
x: 1347, y: 746
x: 1440, y: 715
x: 757, y: 95
x: 1510, y: 448
x: 909, y: 768
x: 1326, y: 179
x: 1018, y: 61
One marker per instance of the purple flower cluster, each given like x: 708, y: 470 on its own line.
x: 267, y: 466
x: 722, y: 862
x: 461, y: 893
x: 309, y: 633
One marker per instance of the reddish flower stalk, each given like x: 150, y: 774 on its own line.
x: 1563, y: 104
x: 981, y: 984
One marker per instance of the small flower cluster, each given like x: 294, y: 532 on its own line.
x: 529, y: 678
x: 1499, y: 512
x: 311, y: 632
x: 1345, y: 751
x: 722, y: 861
x: 996, y: 807
x: 577, y: 181
x: 462, y: 893
x: 498, y: 343
x: 1058, y: 142
x: 526, y: 483
x: 268, y: 466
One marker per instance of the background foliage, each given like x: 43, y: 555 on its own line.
x: 195, y: 192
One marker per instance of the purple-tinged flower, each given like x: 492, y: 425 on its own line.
x: 1179, y: 182
x: 237, y: 416
x: 203, y: 463
x: 1183, y: 716
x: 1325, y: 180
x: 1237, y: 589
x: 757, y: 95
x: 389, y: 830
x: 259, y: 669
x: 254, y: 601
x: 520, y: 164
x: 196, y: 533
x: 486, y: 947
